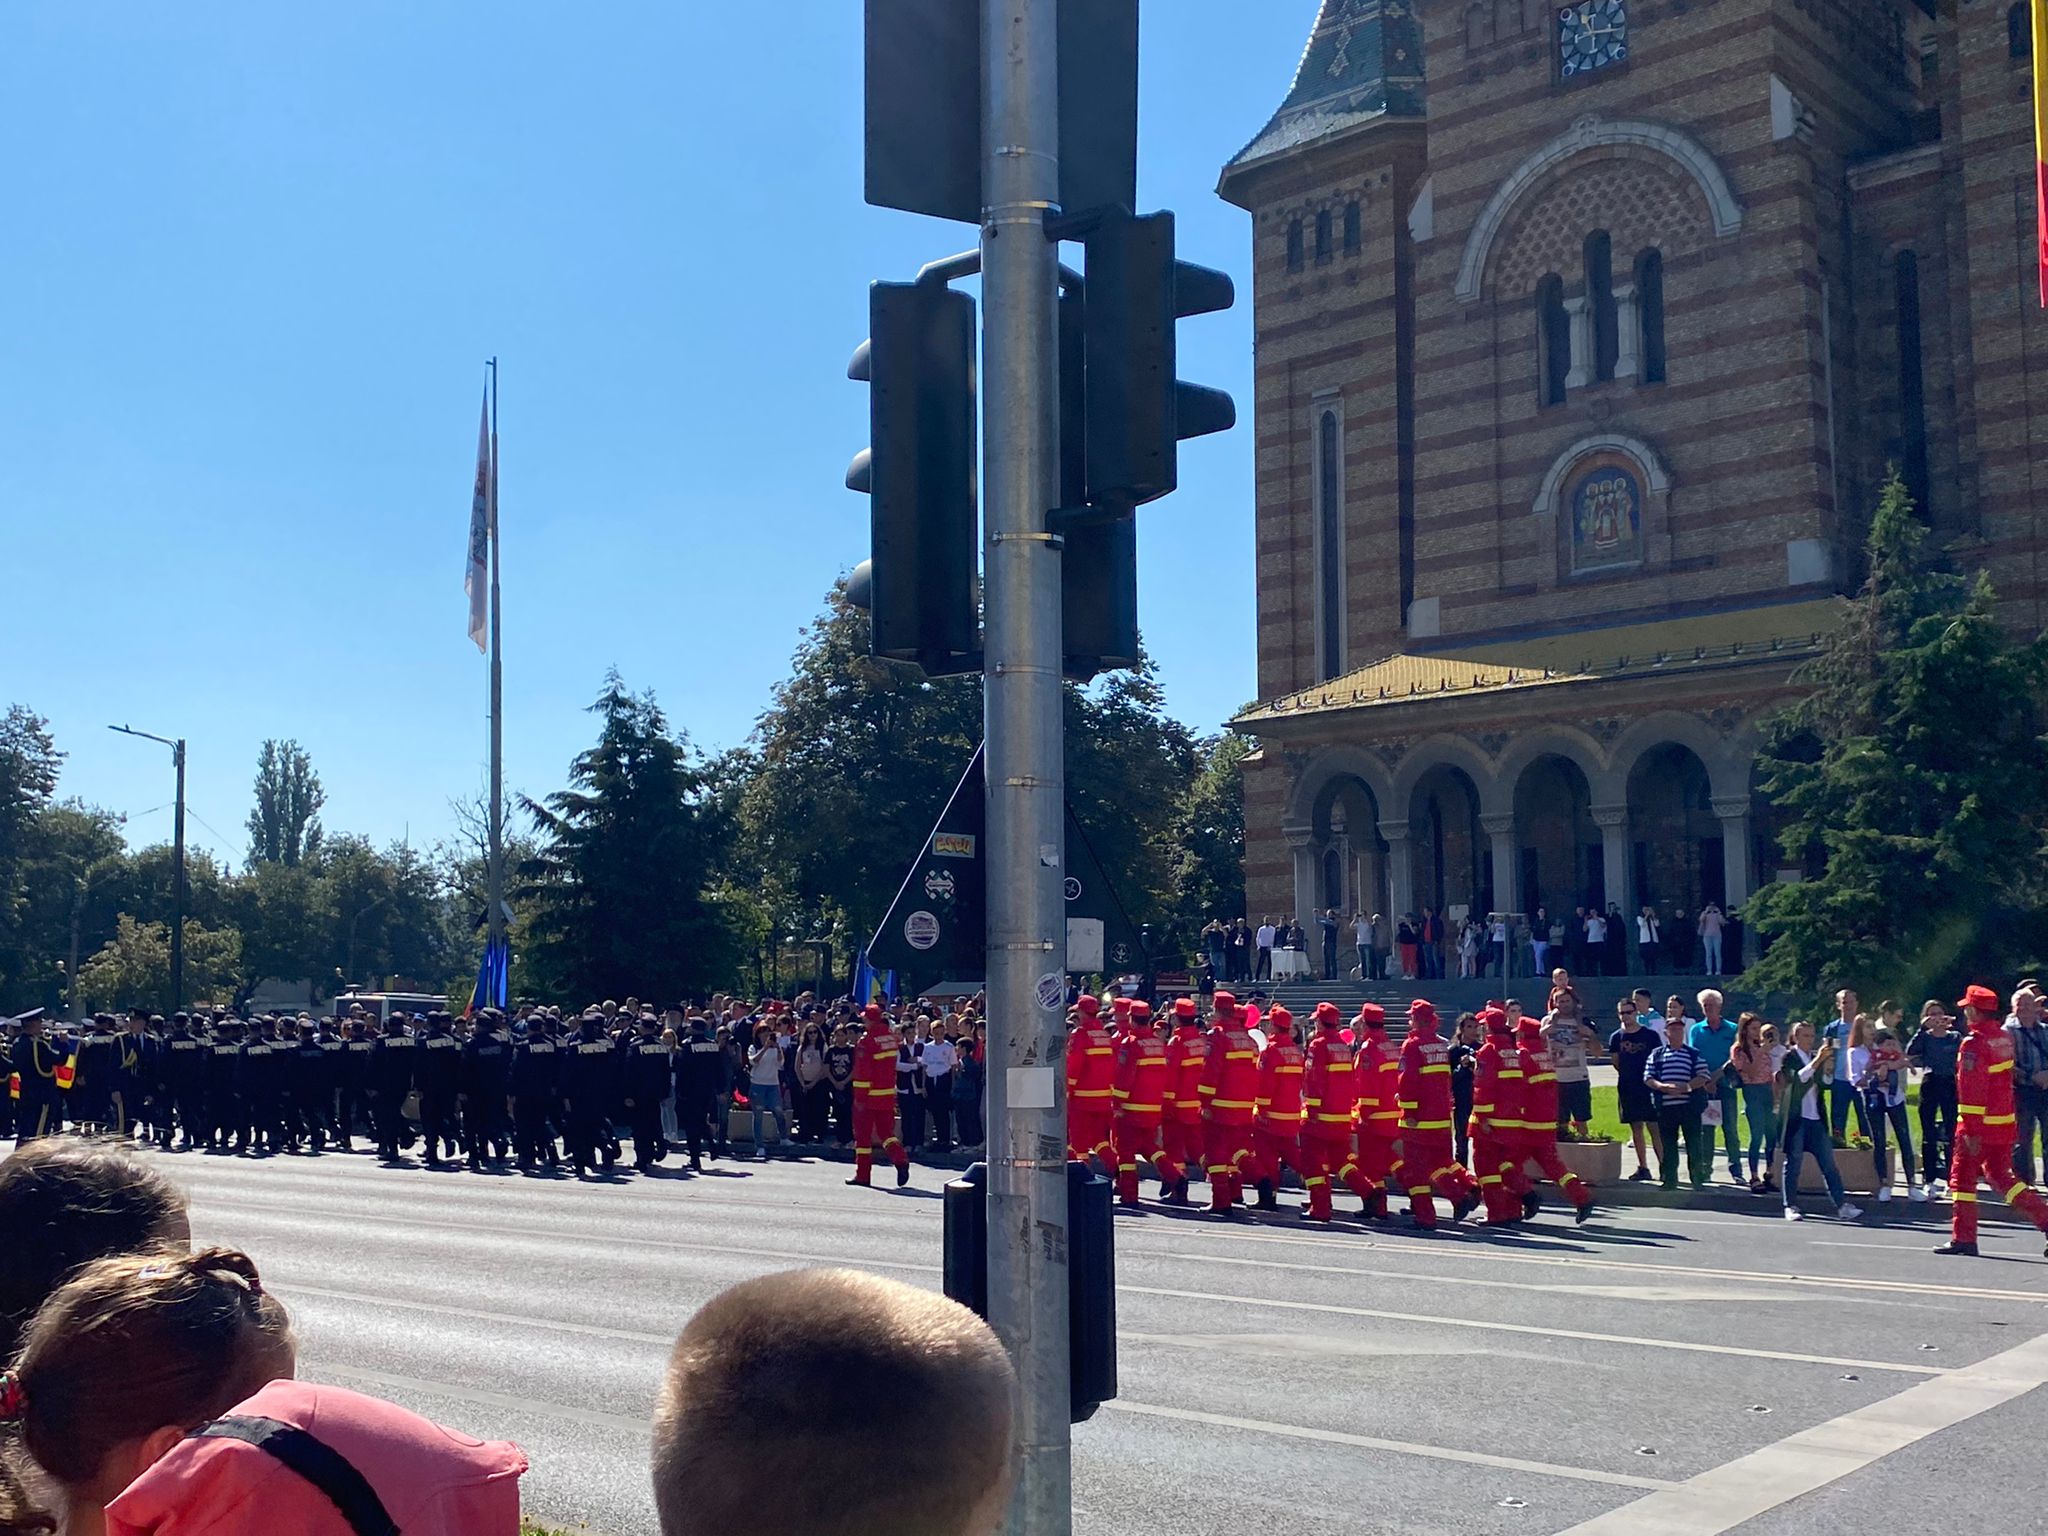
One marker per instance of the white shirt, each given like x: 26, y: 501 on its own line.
x: 1361, y: 931
x: 1810, y: 1104
x: 1265, y: 935
x: 1646, y: 930
x: 939, y: 1057
x: 1596, y: 929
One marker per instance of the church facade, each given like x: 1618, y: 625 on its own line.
x: 1586, y: 336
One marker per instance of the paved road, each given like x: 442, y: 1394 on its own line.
x: 1663, y: 1370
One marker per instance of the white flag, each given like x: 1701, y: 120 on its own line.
x: 476, y: 581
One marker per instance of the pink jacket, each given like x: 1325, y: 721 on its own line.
x: 432, y: 1481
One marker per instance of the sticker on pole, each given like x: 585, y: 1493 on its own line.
x: 1052, y: 992
x: 920, y: 930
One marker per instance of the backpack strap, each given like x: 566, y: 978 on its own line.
x: 315, y: 1461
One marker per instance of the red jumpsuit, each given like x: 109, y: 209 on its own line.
x: 1497, y: 1087
x: 1186, y: 1054
x: 1426, y: 1109
x: 1537, y: 1139
x: 1329, y: 1102
x: 1276, y: 1134
x: 874, y: 1099
x: 1091, y: 1086
x: 1230, y: 1093
x: 1379, y: 1109
x: 1986, y: 1125
x: 1140, y: 1093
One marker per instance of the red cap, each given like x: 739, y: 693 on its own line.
x: 1183, y: 1007
x: 1326, y: 1013
x: 1141, y: 1011
x: 1422, y: 1008
x: 873, y: 1014
x: 1492, y: 1019
x: 1120, y: 1006
x: 1224, y: 1004
x: 1280, y: 1018
x: 1371, y: 1015
x: 1090, y: 1005
x: 1983, y: 999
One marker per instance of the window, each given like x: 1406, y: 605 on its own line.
x: 1650, y: 315
x: 1354, y: 230
x: 1912, y: 395
x: 1294, y: 246
x: 1600, y: 303
x: 2019, y: 32
x: 1329, y: 549
x: 1322, y: 237
x: 1553, y: 340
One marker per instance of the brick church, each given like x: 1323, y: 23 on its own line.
x: 1586, y: 334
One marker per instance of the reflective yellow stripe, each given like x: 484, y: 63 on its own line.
x: 1232, y: 1104
x: 1491, y: 1178
x: 1517, y: 1125
x: 1335, y: 1119
x: 1092, y: 1093
x: 2000, y: 1119
x: 1482, y: 1109
x: 1999, y: 1066
x: 1338, y: 1066
x: 1509, y: 1076
x: 1970, y: 1109
x: 2010, y: 1193
x: 1439, y: 1067
x: 1958, y: 1195
x: 1544, y: 1077
x: 1240, y: 1055
x: 1430, y: 1125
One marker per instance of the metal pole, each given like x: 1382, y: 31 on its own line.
x: 494, y: 929
x: 1027, y: 1189
x: 178, y: 883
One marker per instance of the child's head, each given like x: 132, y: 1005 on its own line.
x: 128, y: 1356
x: 856, y: 1368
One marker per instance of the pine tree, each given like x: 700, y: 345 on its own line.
x: 1914, y: 774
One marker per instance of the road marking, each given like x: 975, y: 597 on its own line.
x: 505, y: 1402
x: 1751, y: 1485
x: 1432, y: 1320
x: 1397, y: 1447
x: 1644, y: 1292
x: 510, y: 1319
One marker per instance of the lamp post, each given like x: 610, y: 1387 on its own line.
x: 177, y: 863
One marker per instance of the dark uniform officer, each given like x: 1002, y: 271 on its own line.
x: 437, y: 1069
x: 313, y: 1087
x: 645, y: 1082
x: 141, y: 1102
x: 33, y: 1062
x: 486, y: 1081
x: 590, y: 1086
x: 96, y: 1090
x: 536, y: 1085
x: 391, y: 1079
x: 353, y: 1078
x: 225, y: 1108
x: 261, y: 1078
x: 701, y: 1076
x: 181, y: 1068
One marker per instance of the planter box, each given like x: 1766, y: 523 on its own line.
x: 739, y: 1127
x: 1856, y: 1165
x: 1597, y: 1162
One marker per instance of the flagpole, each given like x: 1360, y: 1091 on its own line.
x: 494, y: 930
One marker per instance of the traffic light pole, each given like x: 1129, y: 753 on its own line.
x: 1027, y: 1188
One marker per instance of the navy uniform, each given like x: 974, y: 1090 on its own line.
x: 312, y: 1069
x: 141, y: 1101
x: 536, y: 1084
x: 437, y: 1068
x: 95, y: 1103
x: 181, y: 1069
x: 260, y: 1075
x: 645, y: 1081
x: 701, y: 1076
x: 33, y: 1064
x: 486, y: 1080
x: 590, y: 1086
x: 353, y: 1079
x: 224, y: 1109
x: 391, y: 1079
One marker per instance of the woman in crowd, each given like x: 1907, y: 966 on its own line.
x: 970, y: 1077
x: 839, y: 1056
x: 764, y: 1087
x: 1406, y: 942
x: 1756, y: 1069
x: 813, y: 1089
x: 1805, y: 1126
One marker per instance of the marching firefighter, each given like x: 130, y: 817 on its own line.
x: 648, y: 1075
x: 1986, y: 1127
x: 1181, y: 1127
x: 1091, y: 1086
x: 874, y: 1100
x: 1230, y: 1094
x: 1427, y: 1165
x: 1276, y: 1128
x: 1379, y: 1109
x: 1535, y: 1140
x: 1140, y: 1093
x: 1496, y: 1122
x: 1329, y: 1103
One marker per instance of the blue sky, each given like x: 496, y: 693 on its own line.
x: 255, y: 255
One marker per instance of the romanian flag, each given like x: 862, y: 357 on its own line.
x: 14, y: 1085
x: 67, y: 1072
x: 2040, y: 57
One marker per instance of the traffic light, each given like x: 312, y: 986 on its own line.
x: 1099, y: 565
x: 919, y: 586
x: 1138, y: 410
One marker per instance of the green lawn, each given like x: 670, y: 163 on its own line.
x: 1606, y: 1121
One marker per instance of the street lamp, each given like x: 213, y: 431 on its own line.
x: 177, y: 863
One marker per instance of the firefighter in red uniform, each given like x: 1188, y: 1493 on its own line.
x: 1537, y: 1139
x: 1230, y: 1094
x: 1276, y: 1132
x: 1497, y: 1086
x: 1091, y: 1086
x: 1181, y: 1133
x: 1329, y: 1102
x: 1986, y: 1125
x: 1427, y: 1162
x: 1140, y: 1095
x: 874, y: 1099
x: 1379, y: 1108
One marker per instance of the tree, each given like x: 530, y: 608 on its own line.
x: 625, y: 863
x: 1207, y: 878
x: 29, y: 761
x: 1914, y: 771
x: 134, y: 968
x: 284, y: 827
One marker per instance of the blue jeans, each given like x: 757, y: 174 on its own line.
x: 1841, y: 1096
x: 766, y: 1099
x: 1801, y: 1137
x: 1729, y: 1091
x: 1759, y: 1106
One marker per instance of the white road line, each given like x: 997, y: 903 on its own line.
x: 1634, y: 1342
x: 505, y: 1402
x: 1740, y: 1490
x: 1397, y: 1447
x: 289, y: 1289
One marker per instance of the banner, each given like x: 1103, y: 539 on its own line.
x: 476, y: 580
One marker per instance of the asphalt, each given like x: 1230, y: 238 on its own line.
x: 1362, y: 1379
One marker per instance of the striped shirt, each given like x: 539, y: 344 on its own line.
x: 1668, y: 1063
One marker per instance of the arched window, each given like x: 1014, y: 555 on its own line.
x: 2019, y: 32
x: 1600, y: 303
x: 1650, y: 315
x: 1294, y: 246
x: 1323, y: 251
x: 1912, y: 395
x: 1354, y: 229
x: 1553, y: 340
x: 1329, y: 549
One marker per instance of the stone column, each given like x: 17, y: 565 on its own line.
x: 1500, y: 827
x: 1734, y: 814
x: 1299, y: 840
x: 1612, y: 820
x: 1400, y: 871
x: 1581, y: 317
x: 1628, y: 330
